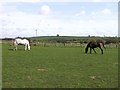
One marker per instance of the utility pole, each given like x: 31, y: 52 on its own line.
x: 36, y: 32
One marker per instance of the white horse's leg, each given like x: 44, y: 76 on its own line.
x: 28, y: 47
x: 25, y: 47
x: 16, y: 47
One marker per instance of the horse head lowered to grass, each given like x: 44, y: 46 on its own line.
x: 93, y: 45
x: 19, y: 41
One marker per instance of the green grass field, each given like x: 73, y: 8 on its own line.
x: 59, y: 67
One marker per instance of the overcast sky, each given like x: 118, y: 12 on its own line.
x: 23, y: 17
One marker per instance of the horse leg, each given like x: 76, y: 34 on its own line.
x: 86, y: 49
x: 101, y: 50
x: 16, y: 48
x: 28, y: 47
x: 90, y: 50
x: 25, y: 47
x: 94, y: 50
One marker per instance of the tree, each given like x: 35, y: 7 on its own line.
x: 57, y: 35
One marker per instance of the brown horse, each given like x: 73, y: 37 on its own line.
x: 93, y: 45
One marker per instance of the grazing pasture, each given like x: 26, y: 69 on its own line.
x: 59, y: 67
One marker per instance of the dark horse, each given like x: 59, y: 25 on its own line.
x: 93, y: 45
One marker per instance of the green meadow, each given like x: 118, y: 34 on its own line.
x: 58, y: 67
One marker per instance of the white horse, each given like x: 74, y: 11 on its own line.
x: 24, y: 42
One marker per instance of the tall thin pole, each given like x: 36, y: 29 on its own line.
x: 36, y: 32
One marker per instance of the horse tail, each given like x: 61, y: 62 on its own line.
x: 102, y: 45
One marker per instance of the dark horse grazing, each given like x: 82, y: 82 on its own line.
x: 93, y: 45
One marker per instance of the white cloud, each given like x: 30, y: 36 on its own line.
x: 104, y: 0
x: 106, y: 11
x: 97, y: 0
x: 19, y: 23
x: 83, y: 12
x: 102, y: 12
x: 45, y: 9
x: 32, y: 1
x: 16, y: 23
x: 22, y: 24
x: 35, y: 1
